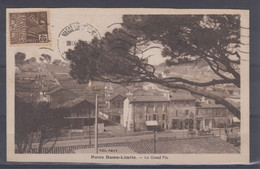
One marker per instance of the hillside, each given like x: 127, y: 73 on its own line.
x: 198, y: 71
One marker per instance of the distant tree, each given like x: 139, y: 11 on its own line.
x: 32, y: 118
x: 19, y: 58
x: 31, y: 60
x: 57, y: 62
x: 45, y: 57
x: 167, y: 71
x: 41, y: 59
x: 214, y: 39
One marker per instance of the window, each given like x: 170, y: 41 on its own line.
x: 163, y: 117
x: 186, y: 112
x: 150, y: 105
x: 207, y: 122
x: 146, y: 117
x: 154, y: 108
x: 163, y: 125
x: 197, y: 112
x: 154, y: 117
x: 176, y: 113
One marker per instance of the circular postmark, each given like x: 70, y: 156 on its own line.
x: 71, y: 34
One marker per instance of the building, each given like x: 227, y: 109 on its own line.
x: 137, y: 91
x: 81, y: 113
x: 115, y: 102
x: 57, y: 95
x: 211, y: 115
x: 182, y: 108
x: 109, y: 89
x: 114, y: 107
x: 150, y: 86
x: 177, y: 111
x: 141, y: 111
x: 153, y: 88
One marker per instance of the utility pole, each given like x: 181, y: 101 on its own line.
x: 96, y: 117
x: 89, y: 129
x: 96, y: 125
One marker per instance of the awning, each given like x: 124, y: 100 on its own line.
x: 151, y: 123
x: 235, y: 119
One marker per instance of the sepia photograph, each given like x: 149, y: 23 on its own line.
x: 130, y: 86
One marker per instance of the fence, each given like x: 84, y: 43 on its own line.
x: 145, y: 145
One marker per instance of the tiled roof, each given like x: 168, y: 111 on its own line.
x: 72, y: 103
x: 181, y: 96
x: 137, y: 89
x: 147, y: 99
x: 155, y: 92
x: 211, y: 105
x: 54, y: 90
x: 112, y: 97
x: 120, y: 86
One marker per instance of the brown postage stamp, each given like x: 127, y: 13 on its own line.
x: 29, y: 27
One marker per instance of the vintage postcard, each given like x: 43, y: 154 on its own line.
x: 128, y: 86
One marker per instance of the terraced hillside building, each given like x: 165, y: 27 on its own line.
x: 146, y: 112
x: 141, y: 112
x: 182, y: 108
x: 211, y: 115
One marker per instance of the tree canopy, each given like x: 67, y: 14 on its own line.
x: 118, y: 56
x: 19, y: 58
x: 45, y: 57
x: 57, y: 62
x: 31, y: 118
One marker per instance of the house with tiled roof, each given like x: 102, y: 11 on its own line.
x: 115, y: 101
x: 120, y: 90
x: 56, y: 95
x: 137, y: 91
x: 141, y: 111
x: 182, y: 114
x: 114, y: 107
x: 175, y: 112
x: 211, y: 115
x: 156, y: 89
x: 81, y: 113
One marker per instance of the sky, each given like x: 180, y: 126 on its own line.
x: 61, y: 18
x: 99, y: 19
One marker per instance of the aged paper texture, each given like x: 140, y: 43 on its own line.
x: 128, y: 86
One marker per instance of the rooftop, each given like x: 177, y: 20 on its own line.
x: 54, y: 90
x: 72, y: 103
x: 147, y: 99
x: 112, y: 97
x: 181, y: 96
x: 211, y: 105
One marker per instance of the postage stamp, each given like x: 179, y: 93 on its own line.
x: 29, y: 27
